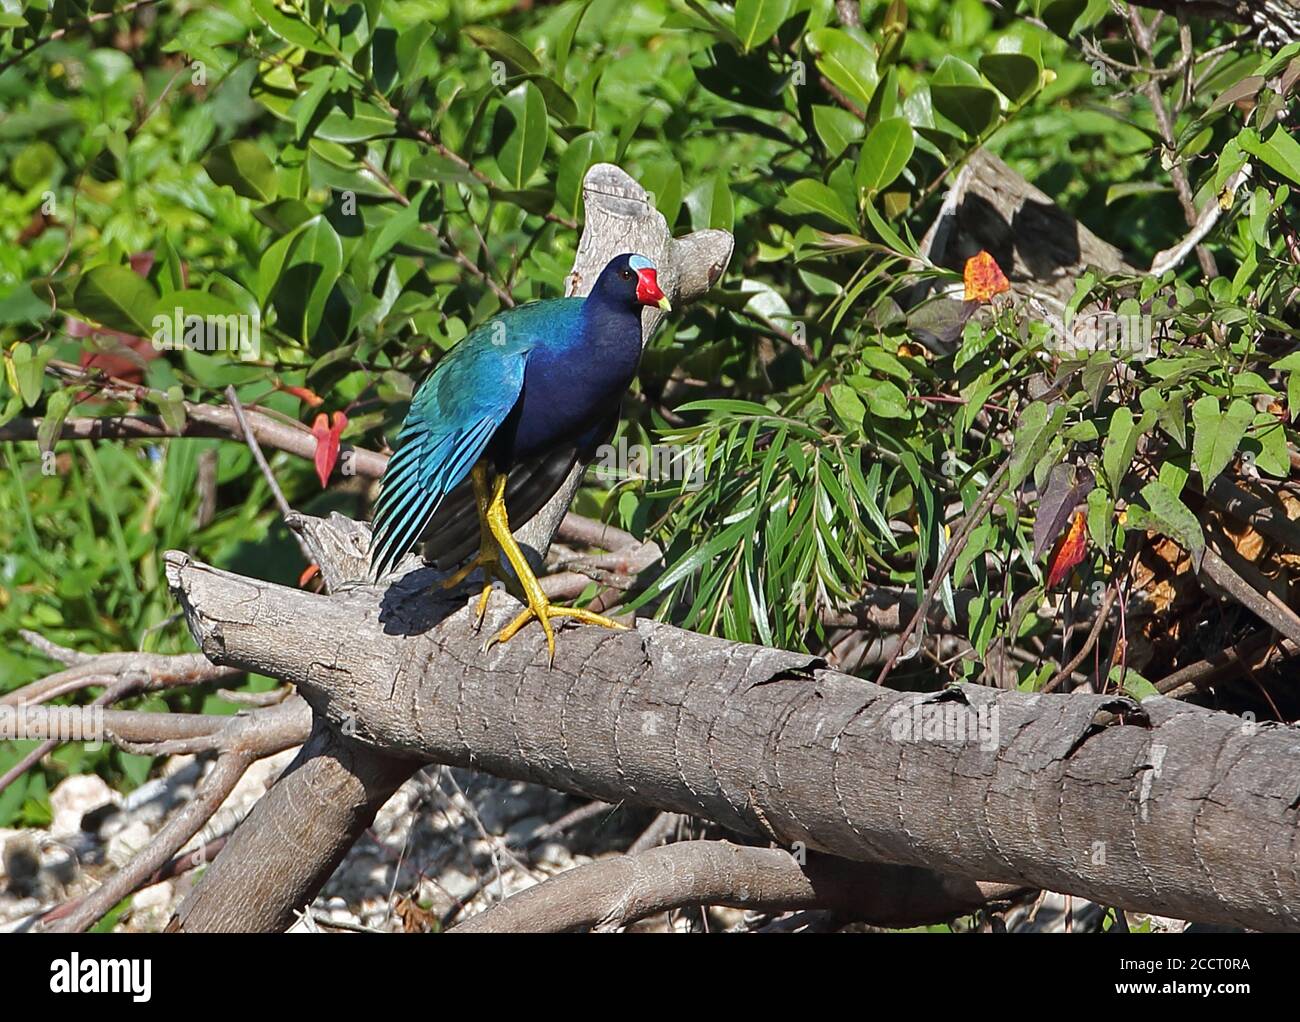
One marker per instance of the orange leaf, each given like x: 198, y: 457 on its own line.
x: 304, y: 394
x: 309, y: 573
x: 328, y: 434
x: 983, y: 278
x: 1068, y: 552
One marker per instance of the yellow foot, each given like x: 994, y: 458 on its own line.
x: 497, y: 535
x: 491, y: 571
x: 489, y: 552
x: 543, y: 611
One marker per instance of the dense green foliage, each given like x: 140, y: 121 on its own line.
x: 370, y: 180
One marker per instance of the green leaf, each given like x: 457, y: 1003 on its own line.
x: 811, y: 196
x: 836, y: 127
x: 310, y: 272
x: 244, y: 167
x: 292, y: 30
x: 664, y: 182
x: 1015, y: 75
x: 1218, y: 434
x: 1126, y: 188
x: 1034, y: 433
x: 959, y: 93
x: 34, y: 165
x: 1119, y: 446
x: 225, y: 326
x: 1170, y: 516
x: 757, y: 20
x: 412, y: 46
x: 116, y: 297
x: 1135, y: 686
x: 847, y: 63
x: 56, y: 410
x: 565, y: 43
x: 1268, y: 446
x: 28, y: 370
x: 847, y: 404
x: 581, y: 153
x: 534, y: 200
x: 558, y: 102
x: 518, y: 58
x: 884, y: 399
x: 305, y: 106
x: 525, y: 146
x: 722, y: 212
x: 361, y: 122
x: 885, y: 154
x: 399, y: 224
x: 1281, y: 151
x: 272, y: 262
x: 886, y: 233
x: 172, y: 407
x: 1101, y: 515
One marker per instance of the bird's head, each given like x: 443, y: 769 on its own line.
x: 632, y: 278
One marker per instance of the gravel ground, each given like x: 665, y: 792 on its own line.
x: 447, y: 845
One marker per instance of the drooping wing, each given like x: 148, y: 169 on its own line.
x: 453, y: 416
x: 453, y: 532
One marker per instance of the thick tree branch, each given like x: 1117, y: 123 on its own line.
x: 1171, y: 809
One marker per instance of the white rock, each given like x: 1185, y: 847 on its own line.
x: 126, y: 842
x: 72, y: 798
x: 157, y: 896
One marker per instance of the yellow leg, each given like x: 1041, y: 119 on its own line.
x: 489, y: 554
x: 539, y: 606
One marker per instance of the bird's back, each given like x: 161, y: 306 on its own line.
x: 482, y: 364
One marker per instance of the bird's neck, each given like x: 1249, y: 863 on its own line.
x: 608, y: 326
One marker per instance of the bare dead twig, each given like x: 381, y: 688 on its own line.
x: 1250, y: 654
x: 1143, y: 35
x: 245, y: 739
x: 151, y: 671
x: 1103, y: 613
x: 983, y: 505
x: 612, y: 893
x: 658, y: 832
x: 250, y: 438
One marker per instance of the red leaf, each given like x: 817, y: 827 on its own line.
x: 328, y: 434
x: 983, y: 278
x: 142, y: 262
x: 117, y: 354
x: 1068, y: 552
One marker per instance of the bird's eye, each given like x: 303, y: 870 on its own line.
x: 626, y: 274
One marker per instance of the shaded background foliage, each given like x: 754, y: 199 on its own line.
x: 372, y: 180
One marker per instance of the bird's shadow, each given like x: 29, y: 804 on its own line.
x: 416, y: 602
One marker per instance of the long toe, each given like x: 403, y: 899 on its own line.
x: 587, y: 617
x: 482, y: 607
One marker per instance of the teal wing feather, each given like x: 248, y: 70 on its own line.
x: 453, y: 417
